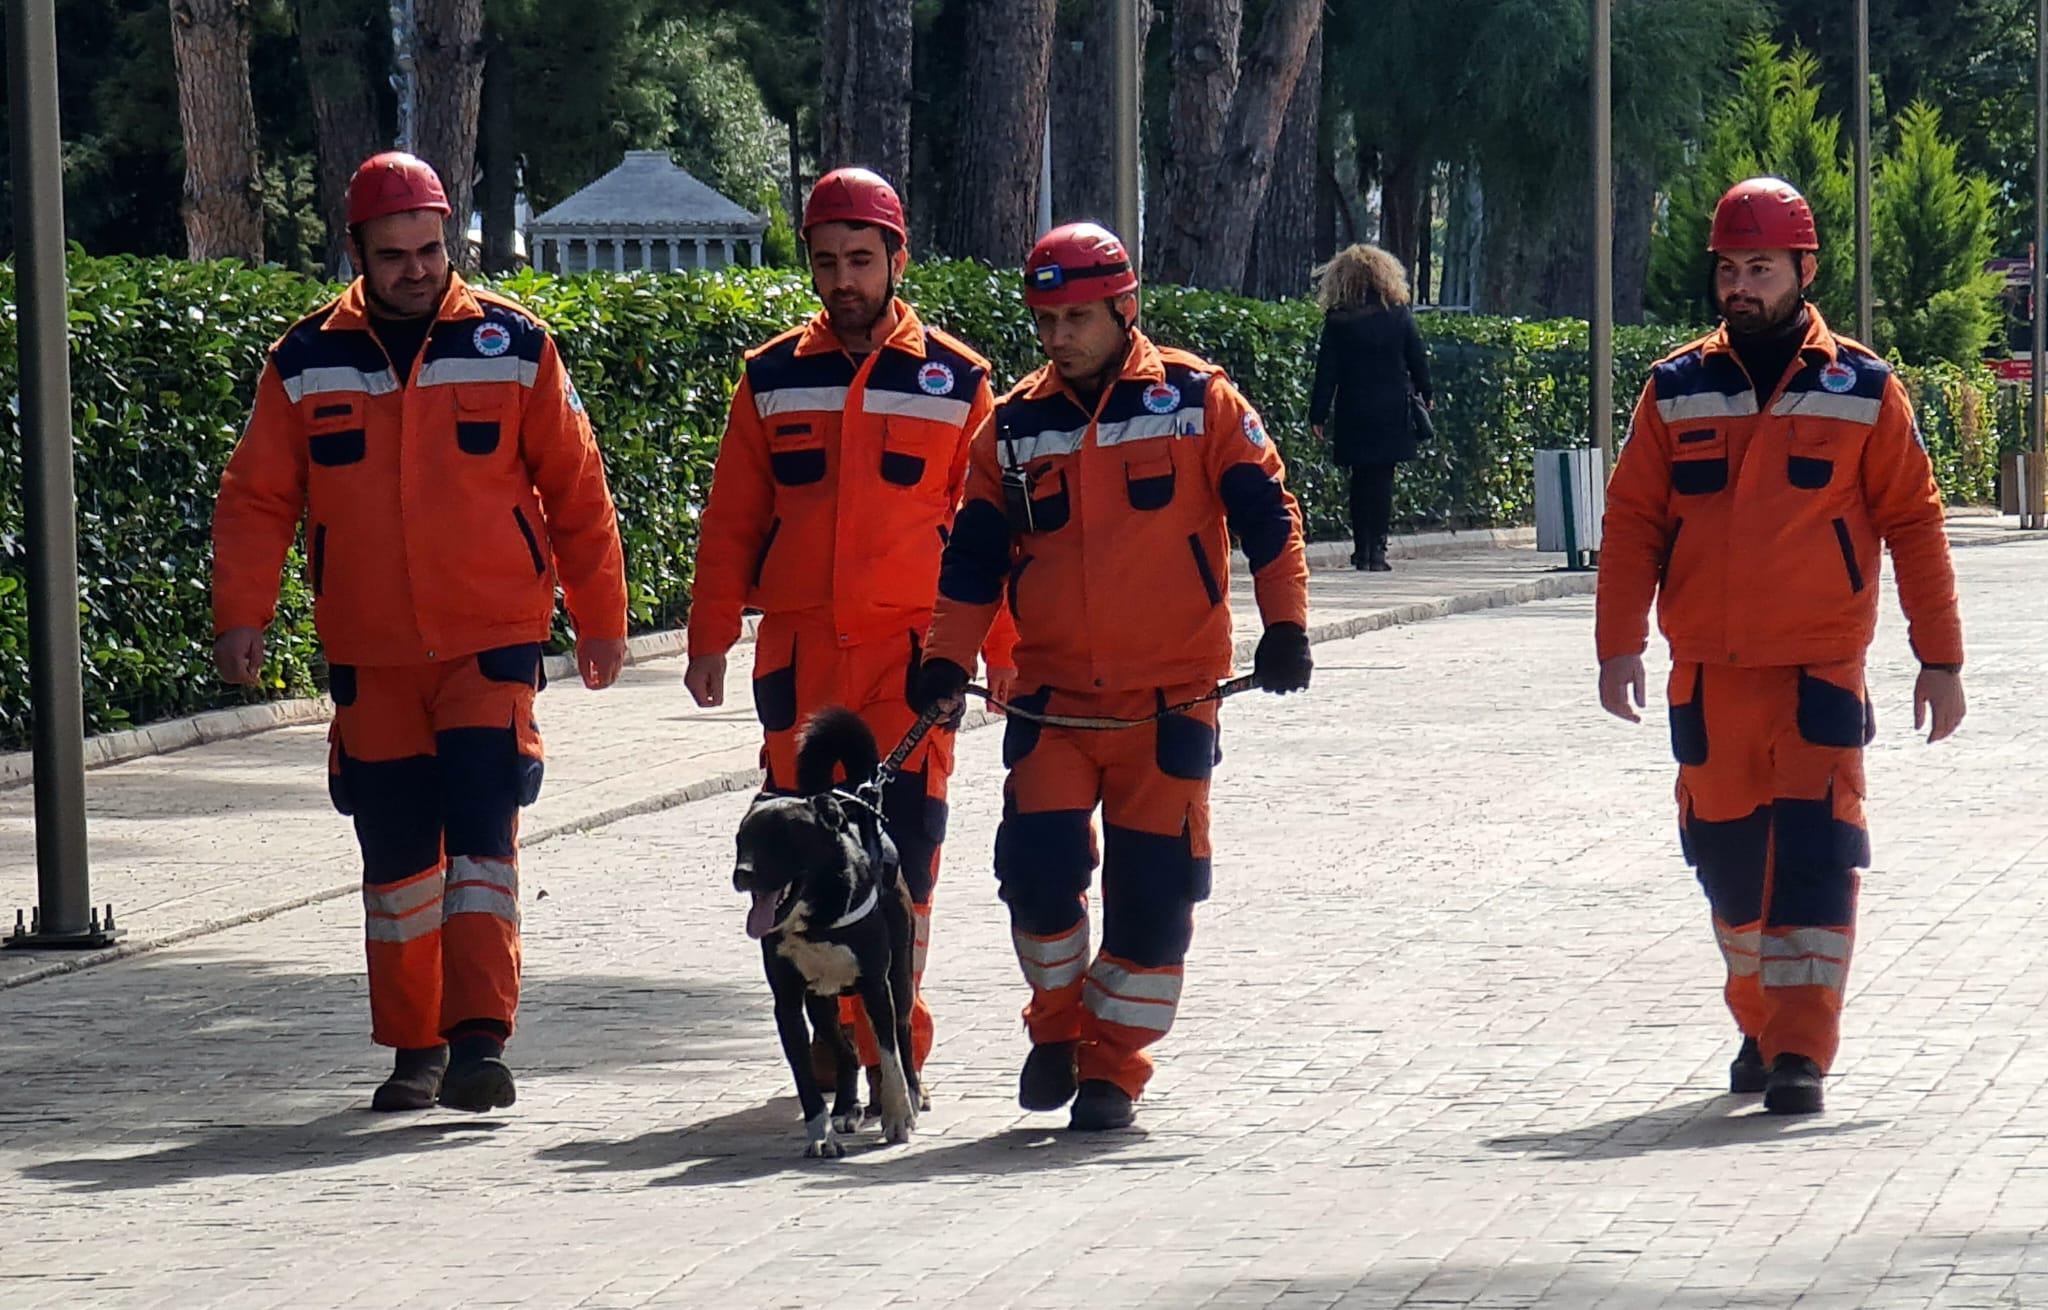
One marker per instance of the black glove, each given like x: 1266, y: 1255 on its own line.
x: 1282, y: 663
x: 938, y: 681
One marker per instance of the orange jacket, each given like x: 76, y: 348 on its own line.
x: 1760, y: 534
x: 436, y: 510
x: 836, y: 484
x: 1122, y: 581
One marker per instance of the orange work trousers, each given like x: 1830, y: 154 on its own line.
x: 1152, y: 783
x: 433, y: 762
x: 800, y: 667
x: 1770, y: 798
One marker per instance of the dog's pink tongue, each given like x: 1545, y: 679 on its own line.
x: 761, y: 918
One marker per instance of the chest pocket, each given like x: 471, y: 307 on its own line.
x: 479, y: 422
x: 1036, y: 498
x: 907, y: 447
x: 334, y: 434
x: 1810, y: 464
x: 796, y: 454
x: 1699, y: 463
x: 1148, y: 481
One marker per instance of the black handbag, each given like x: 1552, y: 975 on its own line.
x: 1420, y: 424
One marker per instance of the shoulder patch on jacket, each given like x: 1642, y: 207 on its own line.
x: 1692, y: 385
x: 312, y: 361
x: 784, y: 381
x: 1850, y: 387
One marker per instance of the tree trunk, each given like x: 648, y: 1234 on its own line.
x: 335, y: 45
x: 1284, y: 242
x: 451, y: 84
x: 1401, y: 208
x: 1084, y: 112
x: 991, y: 210
x: 1208, y: 240
x: 500, y: 201
x: 1204, y: 60
x: 1635, y: 213
x: 865, y: 117
x: 223, y: 205
x: 1425, y: 246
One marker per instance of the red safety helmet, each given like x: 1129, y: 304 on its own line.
x: 1077, y: 263
x: 855, y: 195
x: 1764, y: 213
x: 394, y: 183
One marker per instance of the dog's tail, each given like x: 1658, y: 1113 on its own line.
x: 834, y: 739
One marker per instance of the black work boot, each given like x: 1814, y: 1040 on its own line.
x: 1376, y: 560
x: 1794, y: 1086
x: 478, y: 1079
x: 414, y: 1082
x: 1102, y: 1105
x: 1048, y: 1079
x: 1746, y: 1072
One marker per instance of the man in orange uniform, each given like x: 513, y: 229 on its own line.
x: 1101, y: 496
x: 426, y: 433
x: 1767, y: 465
x: 836, y: 483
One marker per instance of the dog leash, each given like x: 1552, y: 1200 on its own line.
x: 1080, y: 722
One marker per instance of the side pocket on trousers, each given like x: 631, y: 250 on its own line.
x: 1689, y: 723
x: 1020, y: 735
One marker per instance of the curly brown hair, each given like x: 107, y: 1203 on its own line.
x: 1362, y: 277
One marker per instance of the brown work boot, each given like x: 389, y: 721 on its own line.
x: 414, y: 1082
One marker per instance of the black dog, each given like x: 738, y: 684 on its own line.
x: 833, y: 917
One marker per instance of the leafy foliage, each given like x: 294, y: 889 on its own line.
x: 166, y: 354
x: 1934, y: 231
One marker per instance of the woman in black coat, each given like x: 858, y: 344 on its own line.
x: 1370, y: 364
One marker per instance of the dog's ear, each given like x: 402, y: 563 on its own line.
x: 829, y: 811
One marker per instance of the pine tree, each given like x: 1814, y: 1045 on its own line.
x: 1935, y: 229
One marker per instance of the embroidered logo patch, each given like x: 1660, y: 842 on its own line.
x: 575, y: 396
x: 935, y: 379
x: 1162, y: 398
x: 1254, y: 431
x: 492, y: 339
x: 1838, y: 378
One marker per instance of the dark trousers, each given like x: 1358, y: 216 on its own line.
x: 1372, y: 506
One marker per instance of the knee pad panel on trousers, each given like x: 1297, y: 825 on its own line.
x: 484, y: 781
x: 1043, y: 863
x: 1689, y: 724
x: 1150, y: 884
x: 1811, y: 882
x: 1730, y: 857
x: 1020, y: 735
x: 917, y: 824
x: 775, y: 698
x: 1830, y: 715
x: 397, y: 809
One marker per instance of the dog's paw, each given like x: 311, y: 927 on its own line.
x: 849, y: 1123
x: 924, y: 1099
x: 896, y: 1130
x: 828, y: 1149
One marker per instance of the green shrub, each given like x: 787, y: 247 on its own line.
x: 165, y: 357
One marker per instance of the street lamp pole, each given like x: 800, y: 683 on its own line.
x: 1865, y: 302
x: 1601, y: 362
x: 64, y: 914
x: 1127, y: 68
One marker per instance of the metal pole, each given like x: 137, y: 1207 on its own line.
x: 1045, y: 174
x: 64, y: 915
x: 1865, y: 305
x: 2031, y: 509
x: 1602, y: 362
x: 1128, y: 60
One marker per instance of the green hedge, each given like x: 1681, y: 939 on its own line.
x: 166, y: 353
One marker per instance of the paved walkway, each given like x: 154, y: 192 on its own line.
x: 1451, y: 1038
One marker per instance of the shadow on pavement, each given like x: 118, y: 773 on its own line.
x: 1710, y: 1122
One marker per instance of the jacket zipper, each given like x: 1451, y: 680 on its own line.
x: 767, y: 544
x: 1208, y: 574
x: 1848, y: 555
x: 532, y: 545
x: 319, y: 558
